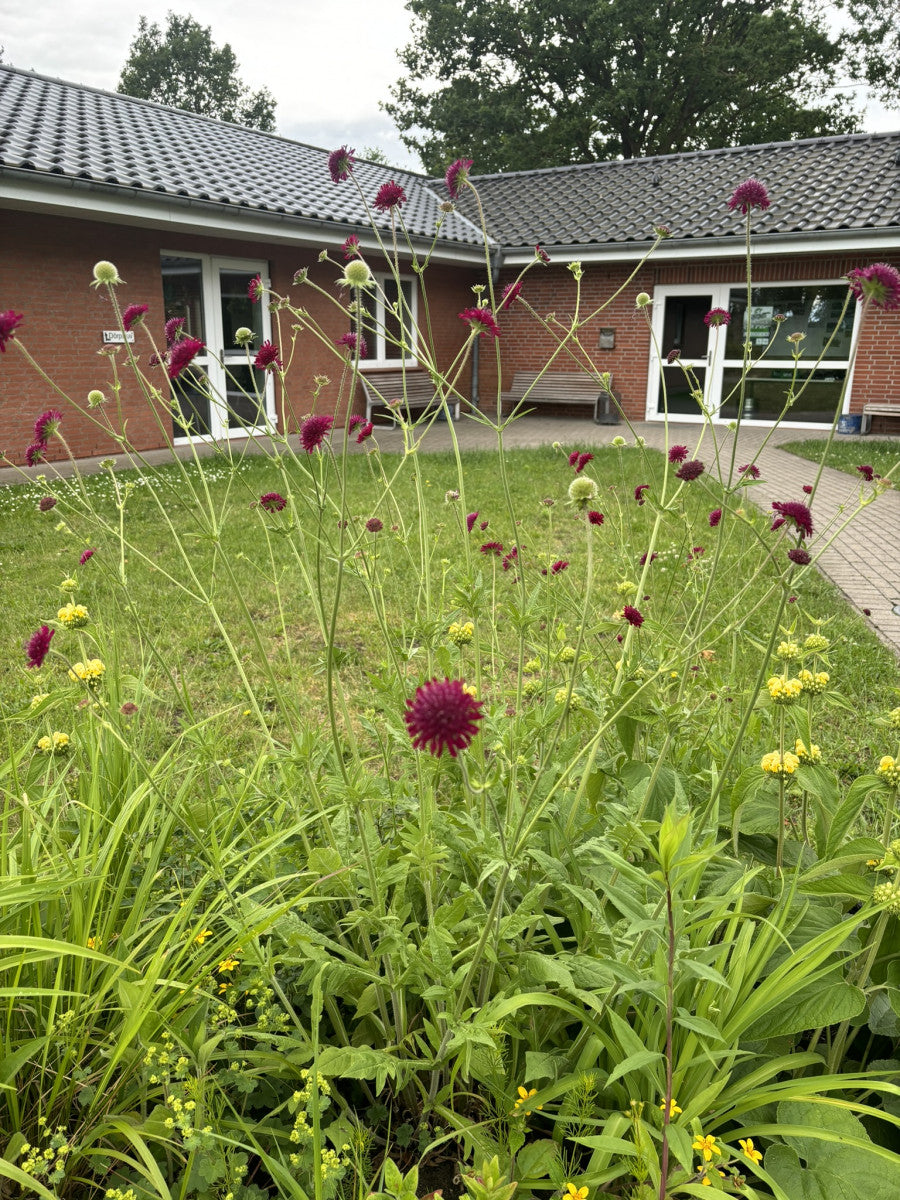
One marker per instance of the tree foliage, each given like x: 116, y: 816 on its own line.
x: 532, y: 83
x: 183, y: 68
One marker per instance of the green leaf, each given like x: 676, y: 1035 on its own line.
x: 536, y: 1160
x: 849, y: 809
x: 810, y: 1008
x: 835, y: 1167
x: 635, y: 1062
x: 842, y: 884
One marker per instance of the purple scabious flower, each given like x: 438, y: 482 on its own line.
x: 510, y: 293
x: 350, y: 247
x: 692, y: 469
x: 867, y: 472
x: 879, y: 284
x: 509, y: 559
x: 799, y: 556
x: 471, y: 518
x: 134, y: 314
x: 750, y: 194
x: 442, y: 716
x: 389, y: 195
x: 46, y: 503
x: 795, y: 512
x: 38, y: 646
x: 272, y: 501
x: 480, y: 317
x: 314, y: 430
x: 87, y: 554
x: 717, y: 316
x: 751, y: 470
x: 374, y: 525
x: 354, y: 341
x: 366, y: 431
x: 541, y: 255
x: 457, y: 175
x: 643, y: 558
x: 173, y: 330
x: 581, y: 461
x: 9, y: 322
x: 267, y: 356
x: 35, y: 453
x: 673, y: 356
x: 639, y: 492
x: 633, y: 616
x: 677, y: 454
x: 715, y: 517
x: 255, y: 289
x: 47, y: 425
x: 807, y: 488
x: 493, y: 548
x: 560, y: 565
x: 594, y: 517
x: 182, y: 355
x: 340, y: 164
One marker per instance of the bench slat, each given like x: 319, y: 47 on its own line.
x: 555, y: 388
x: 887, y: 408
x: 413, y: 387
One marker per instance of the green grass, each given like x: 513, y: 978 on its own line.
x: 882, y: 455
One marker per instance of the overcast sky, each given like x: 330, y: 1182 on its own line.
x: 327, y: 62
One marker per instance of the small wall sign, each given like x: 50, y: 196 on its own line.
x: 115, y: 337
x: 607, y: 339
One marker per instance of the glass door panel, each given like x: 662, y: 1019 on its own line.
x: 245, y: 396
x: 244, y: 389
x: 679, y: 325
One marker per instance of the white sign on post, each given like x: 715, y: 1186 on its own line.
x: 115, y: 337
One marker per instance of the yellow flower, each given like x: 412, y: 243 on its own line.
x: 787, y: 651
x: 887, y: 768
x: 894, y: 718
x: 524, y: 1096
x: 73, y: 616
x: 705, y: 1146
x: 775, y: 764
x: 202, y: 936
x: 470, y: 689
x: 576, y: 1193
x: 38, y: 700
x: 228, y: 964
x: 57, y: 743
x: 461, y: 634
x: 90, y: 672
x: 673, y: 1107
x: 816, y: 642
x: 94, y: 943
x: 784, y: 691
x: 814, y: 684
x: 750, y: 1150
x: 811, y: 755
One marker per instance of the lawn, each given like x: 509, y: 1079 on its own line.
x: 882, y: 455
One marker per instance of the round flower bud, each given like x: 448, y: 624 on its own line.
x: 105, y: 273
x: 356, y: 274
x: 618, y: 440
x: 642, y: 300
x: 888, y: 894
x: 95, y: 398
x: 894, y: 718
x: 243, y: 336
x: 582, y: 490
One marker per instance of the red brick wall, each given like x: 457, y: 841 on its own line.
x: 526, y: 346
x: 49, y: 282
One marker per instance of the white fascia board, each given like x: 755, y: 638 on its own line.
x: 872, y: 240
x: 78, y: 200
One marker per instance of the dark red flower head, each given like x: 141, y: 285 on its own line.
x: 272, y: 501
x: 795, y: 512
x: 481, y: 319
x: 677, y: 454
x: 471, y: 518
x: 46, y: 503
x: 9, y: 322
x: 173, y: 329
x: 594, y: 517
x: 751, y: 470
x: 354, y: 340
x: 799, y: 556
x: 510, y: 292
x: 267, y: 356
x: 442, y: 716
x: 457, y: 175
x: 374, y: 525
x: 351, y: 247
x: 541, y: 255
x: 314, y: 431
x: 717, y: 316
x: 47, y: 425
x: 35, y: 453
x: 38, y: 646
x: 867, y: 472
x: 581, y: 461
x: 133, y: 315
x: 807, y: 488
x: 89, y: 553
x: 365, y: 431
x: 389, y: 195
x: 560, y: 565
x: 492, y: 548
x: 879, y: 284
x: 340, y: 164
x: 639, y: 492
x: 673, y: 356
x: 255, y: 289
x: 182, y: 354
x: 750, y: 194
x: 715, y: 517
x: 632, y: 616
x: 692, y: 469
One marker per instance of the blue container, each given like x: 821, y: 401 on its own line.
x: 850, y: 423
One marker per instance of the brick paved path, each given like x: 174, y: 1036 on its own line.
x: 863, y: 561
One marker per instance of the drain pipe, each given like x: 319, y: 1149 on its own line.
x: 474, y: 390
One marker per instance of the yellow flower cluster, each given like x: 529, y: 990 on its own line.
x: 887, y: 768
x: 575, y: 701
x: 49, y: 1163
x: 56, y: 743
x: 775, y: 764
x: 814, y: 683
x: 461, y: 633
x: 788, y: 651
x: 533, y: 665
x: 812, y: 754
x: 470, y: 689
x: 784, y: 691
x: 531, y: 687
x: 90, y: 672
x: 566, y: 655
x: 889, y: 894
x: 816, y: 643
x: 73, y: 616
x: 38, y: 700
x: 893, y: 718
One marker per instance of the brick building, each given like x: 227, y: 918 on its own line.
x: 190, y: 210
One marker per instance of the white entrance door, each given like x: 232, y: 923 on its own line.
x: 678, y: 324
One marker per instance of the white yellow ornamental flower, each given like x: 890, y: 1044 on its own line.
x: 56, y: 743
x: 90, y: 672
x: 814, y: 683
x: 811, y: 755
x: 788, y: 651
x: 73, y: 616
x: 776, y: 764
x: 461, y: 633
x: 784, y: 691
x: 889, y: 770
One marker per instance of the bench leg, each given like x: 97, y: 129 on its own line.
x: 865, y: 422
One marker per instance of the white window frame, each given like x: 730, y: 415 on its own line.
x: 216, y: 355
x: 375, y: 341
x: 716, y: 363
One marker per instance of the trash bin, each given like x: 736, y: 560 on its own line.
x: 607, y: 413
x: 849, y: 423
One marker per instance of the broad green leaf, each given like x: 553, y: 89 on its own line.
x: 854, y: 886
x: 536, y: 1160
x: 848, y: 810
x: 812, y: 1007
x: 835, y: 1166
x: 634, y: 1062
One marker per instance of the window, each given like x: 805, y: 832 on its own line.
x: 220, y: 395
x: 390, y: 329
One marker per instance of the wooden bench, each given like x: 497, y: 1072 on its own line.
x: 886, y: 409
x: 414, y: 389
x: 556, y: 387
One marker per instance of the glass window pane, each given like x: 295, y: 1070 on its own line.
x: 679, y: 397
x: 683, y: 325
x: 183, y: 293
x: 237, y: 307
x: 244, y: 410
x: 191, y: 391
x: 811, y: 309
x: 766, y: 393
x: 395, y: 346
